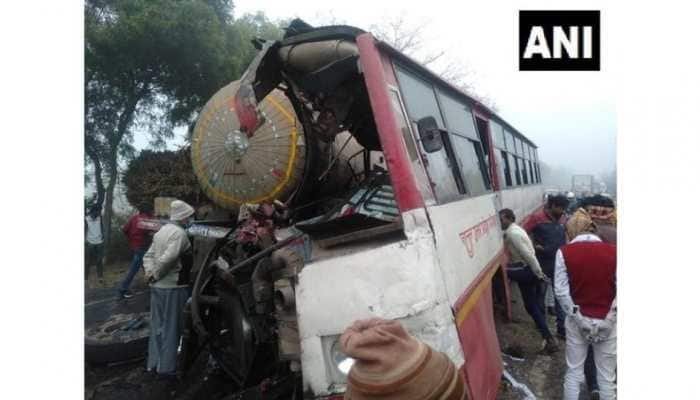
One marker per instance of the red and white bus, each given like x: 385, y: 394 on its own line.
x: 451, y: 164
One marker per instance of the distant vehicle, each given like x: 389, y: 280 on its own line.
x: 582, y: 185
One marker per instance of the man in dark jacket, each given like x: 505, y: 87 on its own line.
x: 546, y: 228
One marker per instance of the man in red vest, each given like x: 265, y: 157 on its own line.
x: 585, y: 286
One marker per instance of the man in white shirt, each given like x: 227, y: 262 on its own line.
x: 586, y: 285
x: 524, y: 269
x: 94, y: 238
x: 162, y: 264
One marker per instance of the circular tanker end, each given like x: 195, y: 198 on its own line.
x: 234, y: 169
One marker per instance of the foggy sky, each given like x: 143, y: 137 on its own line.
x: 569, y: 115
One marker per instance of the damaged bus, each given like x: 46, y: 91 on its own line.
x: 364, y: 186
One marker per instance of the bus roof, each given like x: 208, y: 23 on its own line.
x: 436, y: 78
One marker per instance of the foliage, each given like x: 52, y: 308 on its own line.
x: 151, y: 65
x: 245, y: 29
x: 161, y: 174
x: 410, y: 38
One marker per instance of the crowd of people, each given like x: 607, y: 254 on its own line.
x: 573, y: 259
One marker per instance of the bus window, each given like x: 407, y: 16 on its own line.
x: 482, y: 128
x: 497, y: 135
x: 532, y: 174
x: 502, y: 169
x: 472, y: 167
x: 468, y: 147
x: 523, y: 169
x: 458, y: 116
x: 419, y: 99
x: 416, y: 163
x: 516, y: 162
x: 506, y: 167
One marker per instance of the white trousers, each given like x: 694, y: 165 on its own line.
x: 549, y: 296
x: 605, y: 355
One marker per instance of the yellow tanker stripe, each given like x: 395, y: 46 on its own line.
x: 293, y: 150
x: 283, y: 110
x: 474, y: 297
x: 290, y: 162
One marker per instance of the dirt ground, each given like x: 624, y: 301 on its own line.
x: 542, y: 374
x: 113, y: 274
x: 130, y: 381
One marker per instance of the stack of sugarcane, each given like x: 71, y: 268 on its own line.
x: 162, y: 174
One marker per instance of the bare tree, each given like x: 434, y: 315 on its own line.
x: 410, y: 38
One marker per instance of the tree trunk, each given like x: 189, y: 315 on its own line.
x: 92, y: 153
x: 114, y: 141
x: 109, y: 197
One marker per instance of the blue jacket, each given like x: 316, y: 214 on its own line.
x: 549, y: 234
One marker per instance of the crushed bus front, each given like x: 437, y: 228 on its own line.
x: 376, y: 232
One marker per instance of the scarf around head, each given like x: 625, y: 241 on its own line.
x: 580, y: 222
x: 605, y: 215
x: 390, y: 364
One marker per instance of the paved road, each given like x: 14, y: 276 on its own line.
x: 101, y: 303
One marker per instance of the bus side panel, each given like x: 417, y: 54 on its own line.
x: 467, y: 238
x: 482, y: 353
x: 398, y: 280
x: 469, y: 246
x: 523, y: 200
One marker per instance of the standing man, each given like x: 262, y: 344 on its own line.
x: 585, y: 286
x: 602, y: 211
x: 168, y: 293
x: 546, y: 230
x: 94, y: 238
x: 138, y: 237
x: 524, y: 269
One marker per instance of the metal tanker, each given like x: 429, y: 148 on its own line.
x: 284, y: 146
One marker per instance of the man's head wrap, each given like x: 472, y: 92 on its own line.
x: 579, y: 223
x: 390, y: 364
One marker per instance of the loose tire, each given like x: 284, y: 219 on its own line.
x: 110, y: 342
